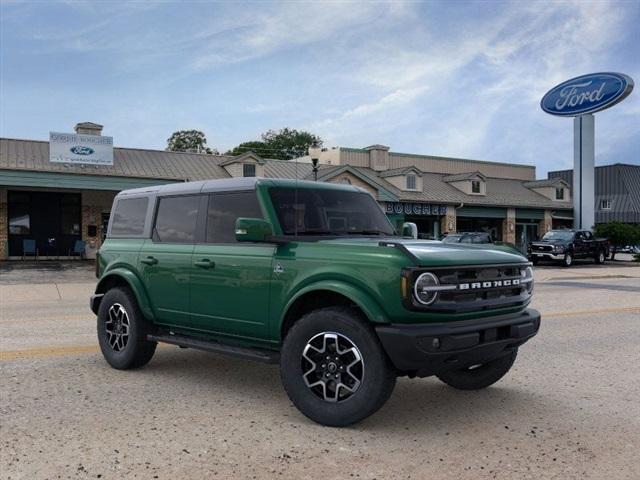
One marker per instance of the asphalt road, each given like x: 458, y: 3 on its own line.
x: 568, y: 409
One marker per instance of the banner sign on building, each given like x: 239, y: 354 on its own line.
x: 80, y: 149
x: 415, y: 209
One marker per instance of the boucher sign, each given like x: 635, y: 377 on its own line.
x: 85, y: 149
x: 415, y: 208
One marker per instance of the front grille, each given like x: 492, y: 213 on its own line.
x: 542, y: 248
x: 478, y: 288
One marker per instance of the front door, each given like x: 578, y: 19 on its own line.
x: 165, y: 259
x: 230, y: 281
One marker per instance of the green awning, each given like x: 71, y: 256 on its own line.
x: 29, y: 178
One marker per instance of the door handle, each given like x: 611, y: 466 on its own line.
x: 149, y: 260
x: 205, y: 263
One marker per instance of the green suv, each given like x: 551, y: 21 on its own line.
x: 311, y: 276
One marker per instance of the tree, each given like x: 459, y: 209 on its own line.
x: 188, y: 141
x: 284, y: 144
x: 259, y: 148
x: 619, y: 234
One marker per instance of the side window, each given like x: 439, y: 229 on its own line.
x: 176, y: 219
x: 129, y: 215
x: 224, y: 210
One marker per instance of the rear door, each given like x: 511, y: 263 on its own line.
x: 165, y: 259
x: 230, y: 281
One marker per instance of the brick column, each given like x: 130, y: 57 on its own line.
x: 509, y: 226
x: 4, y: 225
x: 94, y: 204
x: 448, y: 222
x: 545, y: 224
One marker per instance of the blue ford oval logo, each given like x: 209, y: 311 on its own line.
x: 79, y: 150
x: 587, y: 94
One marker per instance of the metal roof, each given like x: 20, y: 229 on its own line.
x: 463, y: 176
x: 620, y: 184
x: 33, y: 155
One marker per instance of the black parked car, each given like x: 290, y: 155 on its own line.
x: 566, y: 245
x: 468, y: 237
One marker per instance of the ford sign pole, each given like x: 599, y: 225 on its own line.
x: 580, y: 97
x: 583, y: 171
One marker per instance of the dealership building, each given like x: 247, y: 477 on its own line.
x: 52, y: 199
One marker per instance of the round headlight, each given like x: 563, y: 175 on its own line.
x: 527, y: 278
x: 424, y: 289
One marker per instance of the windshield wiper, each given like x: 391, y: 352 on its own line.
x: 368, y: 232
x: 315, y: 232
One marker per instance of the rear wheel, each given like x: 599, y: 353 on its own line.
x: 479, y: 376
x: 333, y: 367
x: 122, y: 331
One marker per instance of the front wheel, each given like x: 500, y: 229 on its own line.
x: 567, y: 261
x: 122, y: 331
x: 479, y: 376
x: 333, y: 367
x: 600, y: 257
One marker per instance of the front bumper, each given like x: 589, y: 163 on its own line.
x: 427, y: 349
x: 546, y: 256
x: 94, y: 302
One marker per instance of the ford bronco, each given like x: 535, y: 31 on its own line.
x: 311, y: 276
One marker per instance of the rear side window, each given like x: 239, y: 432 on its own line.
x: 176, y: 219
x: 129, y: 215
x: 224, y: 210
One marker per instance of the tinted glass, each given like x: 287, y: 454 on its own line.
x: 558, y: 235
x: 129, y: 215
x: 176, y: 219
x: 452, y: 238
x: 248, y: 170
x: 310, y: 211
x: 225, y: 209
x: 19, y: 219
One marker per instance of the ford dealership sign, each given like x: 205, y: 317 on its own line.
x: 587, y: 94
x: 80, y: 149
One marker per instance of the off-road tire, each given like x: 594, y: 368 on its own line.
x: 481, y: 376
x: 137, y: 351
x: 567, y: 261
x: 378, y: 375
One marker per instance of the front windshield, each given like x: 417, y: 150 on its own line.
x: 558, y: 235
x: 316, y: 211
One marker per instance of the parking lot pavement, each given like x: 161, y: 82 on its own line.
x: 568, y: 409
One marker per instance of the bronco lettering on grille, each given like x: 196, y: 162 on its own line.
x: 492, y: 284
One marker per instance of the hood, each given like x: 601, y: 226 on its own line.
x: 434, y: 253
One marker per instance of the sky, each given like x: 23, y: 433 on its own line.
x: 446, y: 78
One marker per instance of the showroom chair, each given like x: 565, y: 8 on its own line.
x: 79, y: 248
x: 29, y: 248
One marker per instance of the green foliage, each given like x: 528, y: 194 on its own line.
x: 189, y: 141
x: 619, y: 234
x: 284, y: 144
x: 259, y: 148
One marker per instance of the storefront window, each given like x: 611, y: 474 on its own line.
x: 19, y: 220
x: 19, y: 213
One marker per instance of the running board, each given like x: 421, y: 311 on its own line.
x: 259, y: 355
